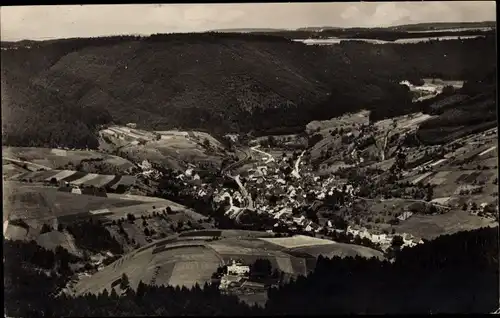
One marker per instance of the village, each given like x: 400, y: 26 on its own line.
x: 281, y: 186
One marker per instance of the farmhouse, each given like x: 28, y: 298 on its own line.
x: 238, y: 269
x: 230, y: 281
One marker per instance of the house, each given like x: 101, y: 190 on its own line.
x: 405, y: 216
x: 76, y: 190
x: 311, y: 227
x: 131, y: 125
x: 145, y: 165
x: 230, y: 281
x: 238, y: 269
x: 300, y: 220
x: 189, y: 172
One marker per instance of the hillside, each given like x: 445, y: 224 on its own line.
x: 192, y: 257
x: 211, y: 82
x: 452, y: 274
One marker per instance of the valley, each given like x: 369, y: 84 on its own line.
x: 220, y: 169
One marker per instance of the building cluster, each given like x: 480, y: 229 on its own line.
x: 384, y: 240
x: 237, y: 274
x: 276, y: 191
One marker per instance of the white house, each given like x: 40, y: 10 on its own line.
x: 189, y: 172
x: 238, y: 269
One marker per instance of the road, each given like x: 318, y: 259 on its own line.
x: 244, y: 192
x: 270, y: 158
x: 243, y: 160
x: 27, y: 163
x: 295, y: 171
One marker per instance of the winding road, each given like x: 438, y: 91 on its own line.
x: 270, y: 158
x: 295, y: 171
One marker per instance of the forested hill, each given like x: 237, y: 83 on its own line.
x: 57, y: 92
x: 452, y: 274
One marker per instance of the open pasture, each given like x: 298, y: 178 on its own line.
x: 224, y: 248
x: 340, y: 250
x: 185, y: 266
x: 78, y: 178
x: 178, y: 262
x: 431, y: 226
x: 55, y: 158
x: 453, y: 180
x: 297, y: 241
x: 439, y: 177
x: 38, y: 202
x: 189, y: 273
x: 346, y: 120
x: 10, y: 170
x: 51, y: 240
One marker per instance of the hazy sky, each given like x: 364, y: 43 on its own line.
x: 39, y: 22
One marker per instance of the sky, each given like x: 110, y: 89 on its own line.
x: 65, y: 21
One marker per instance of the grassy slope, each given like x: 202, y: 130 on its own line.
x: 233, y: 244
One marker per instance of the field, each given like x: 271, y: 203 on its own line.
x: 37, y: 203
x: 340, y: 250
x: 185, y: 265
x: 432, y: 226
x: 53, y: 239
x: 167, y: 147
x: 347, y: 120
x: 77, y: 178
x: 56, y: 158
x: 403, y: 122
x: 189, y: 258
x: 10, y: 170
x: 297, y: 241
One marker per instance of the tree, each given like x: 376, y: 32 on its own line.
x: 124, y: 282
x: 45, y: 229
x: 206, y: 143
x: 339, y: 223
x: 261, y: 267
x: 430, y: 193
x: 130, y: 217
x: 271, y: 141
x: 397, y: 241
x: 120, y: 188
